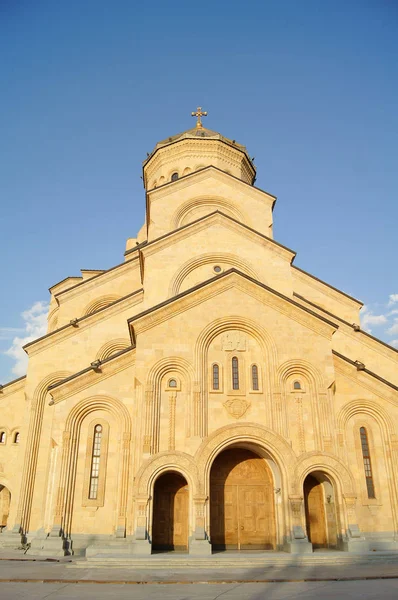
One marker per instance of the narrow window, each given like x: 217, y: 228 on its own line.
x: 216, y: 377
x: 16, y: 438
x: 297, y: 385
x: 3, y: 437
x: 174, y: 177
x: 254, y: 377
x: 95, y: 463
x: 366, y: 463
x: 235, y: 374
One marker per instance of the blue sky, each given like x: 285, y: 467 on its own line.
x: 87, y: 88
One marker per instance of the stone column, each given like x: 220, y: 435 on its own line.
x: 141, y: 543
x: 148, y: 421
x: 298, y: 543
x: 199, y: 543
x: 172, y: 420
x: 121, y: 522
x: 354, y: 540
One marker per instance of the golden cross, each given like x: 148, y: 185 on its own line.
x: 199, y: 113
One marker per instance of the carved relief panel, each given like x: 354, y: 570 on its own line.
x: 235, y: 367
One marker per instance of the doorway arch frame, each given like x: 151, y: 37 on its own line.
x: 266, y: 444
x: 160, y: 474
x: 315, y: 473
x: 150, y: 471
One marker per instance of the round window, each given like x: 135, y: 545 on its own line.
x: 217, y: 269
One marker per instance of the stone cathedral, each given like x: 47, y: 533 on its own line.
x: 205, y: 393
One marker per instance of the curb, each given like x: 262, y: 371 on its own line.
x: 191, y: 582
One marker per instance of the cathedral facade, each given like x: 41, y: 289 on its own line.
x: 203, y: 394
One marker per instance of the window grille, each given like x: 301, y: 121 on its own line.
x: 366, y: 463
x: 95, y: 463
x: 216, y: 377
x: 235, y: 374
x: 255, y: 377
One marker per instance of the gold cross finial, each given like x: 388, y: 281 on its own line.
x: 199, y: 113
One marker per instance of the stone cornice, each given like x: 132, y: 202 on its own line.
x: 368, y: 380
x: 76, y: 279
x: 201, y: 175
x: 83, y: 323
x: 222, y: 219
x: 356, y: 334
x: 219, y: 284
x: 333, y: 292
x: 12, y: 386
x: 91, y: 376
x: 84, y: 286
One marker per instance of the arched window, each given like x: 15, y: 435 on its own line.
x: 2, y: 437
x: 366, y: 463
x: 174, y: 177
x: 297, y: 385
x: 95, y: 463
x: 16, y: 438
x: 235, y: 373
x: 172, y: 383
x: 255, y: 377
x: 216, y: 377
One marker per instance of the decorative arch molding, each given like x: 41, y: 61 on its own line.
x: 99, y: 303
x: 71, y: 437
x: 111, y: 348
x: 32, y: 448
x: 213, y: 202
x: 204, y: 259
x: 153, y: 396
x: 251, y: 433
x: 53, y: 323
x: 170, y: 363
x: 300, y: 367
x: 167, y: 461
x: 203, y: 342
x: 83, y: 408
x: 387, y: 429
x: 328, y: 463
x: 318, y: 395
x: 6, y: 483
x: 370, y: 408
x: 52, y: 319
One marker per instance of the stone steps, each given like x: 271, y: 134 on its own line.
x: 234, y: 561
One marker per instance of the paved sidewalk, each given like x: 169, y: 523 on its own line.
x: 355, y: 590
x: 230, y: 568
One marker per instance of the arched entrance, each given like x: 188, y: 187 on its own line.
x: 170, y: 513
x: 320, y: 511
x: 5, y: 500
x: 242, y: 512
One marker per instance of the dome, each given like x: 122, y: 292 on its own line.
x: 184, y: 153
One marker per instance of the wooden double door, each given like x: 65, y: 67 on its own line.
x: 170, y: 513
x: 242, y: 514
